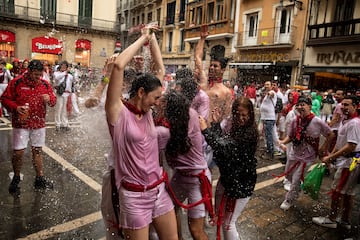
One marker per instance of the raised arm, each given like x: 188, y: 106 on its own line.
x: 116, y: 66
x: 199, y: 53
x: 159, y: 68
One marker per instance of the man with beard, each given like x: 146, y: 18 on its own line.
x: 304, y: 132
x: 345, y: 157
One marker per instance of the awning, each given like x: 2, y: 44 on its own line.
x: 46, y: 45
x: 250, y: 64
x: 83, y: 44
x: 342, y: 70
x: 7, y: 36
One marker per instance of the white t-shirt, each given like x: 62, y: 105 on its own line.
x: 267, y: 107
x: 348, y: 132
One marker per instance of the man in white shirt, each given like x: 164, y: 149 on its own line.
x: 268, y: 117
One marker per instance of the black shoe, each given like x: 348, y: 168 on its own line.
x: 57, y: 128
x: 42, y: 183
x: 13, y: 188
x: 66, y: 129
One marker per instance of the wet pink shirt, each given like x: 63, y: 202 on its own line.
x: 194, y: 159
x: 136, y: 153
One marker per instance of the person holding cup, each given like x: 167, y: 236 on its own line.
x: 26, y: 98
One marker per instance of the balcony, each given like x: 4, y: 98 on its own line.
x: 26, y: 15
x: 267, y: 38
x: 222, y: 29
x: 334, y: 33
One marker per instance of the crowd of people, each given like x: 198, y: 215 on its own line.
x: 167, y: 140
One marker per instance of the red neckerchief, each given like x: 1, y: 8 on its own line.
x: 162, y: 121
x: 301, y: 124
x: 215, y: 80
x: 133, y: 108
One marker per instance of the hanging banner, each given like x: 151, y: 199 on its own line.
x: 46, y: 45
x: 83, y: 44
x: 7, y: 36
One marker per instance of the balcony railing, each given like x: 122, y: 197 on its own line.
x: 267, y: 37
x: 218, y: 27
x: 21, y: 13
x: 335, y: 32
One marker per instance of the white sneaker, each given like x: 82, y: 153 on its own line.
x: 287, y: 186
x: 285, y: 205
x: 325, y: 222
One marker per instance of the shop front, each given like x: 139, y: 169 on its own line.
x: 264, y: 65
x: 333, y: 67
x: 46, y: 49
x: 7, y: 45
x: 82, y: 52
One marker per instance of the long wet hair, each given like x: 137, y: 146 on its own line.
x: 147, y: 81
x: 249, y: 130
x: 177, y: 113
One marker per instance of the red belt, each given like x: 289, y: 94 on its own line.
x: 141, y: 188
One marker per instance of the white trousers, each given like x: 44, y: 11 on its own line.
x: 61, y: 117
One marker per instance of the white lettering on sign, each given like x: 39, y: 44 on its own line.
x: 45, y: 46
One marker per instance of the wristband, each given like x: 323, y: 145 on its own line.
x: 106, y: 80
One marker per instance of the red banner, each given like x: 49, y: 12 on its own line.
x: 7, y: 36
x: 83, y: 44
x: 46, y: 45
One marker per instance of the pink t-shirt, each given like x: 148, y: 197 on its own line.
x: 135, y: 146
x: 194, y: 159
x: 304, y: 152
x: 201, y: 104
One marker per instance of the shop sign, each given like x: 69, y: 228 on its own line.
x: 265, y: 57
x: 338, y: 57
x: 46, y: 45
x: 83, y: 44
x: 7, y: 36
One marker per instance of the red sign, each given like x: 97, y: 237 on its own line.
x: 7, y: 36
x: 83, y: 44
x: 118, y: 44
x: 46, y: 45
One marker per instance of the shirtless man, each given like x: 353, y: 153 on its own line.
x: 220, y: 96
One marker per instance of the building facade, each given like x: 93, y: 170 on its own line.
x: 82, y: 32
x: 332, y: 56
x: 270, y: 41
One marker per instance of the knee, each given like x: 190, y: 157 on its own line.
x: 18, y: 153
x: 37, y: 150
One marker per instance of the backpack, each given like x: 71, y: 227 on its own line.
x: 278, y: 106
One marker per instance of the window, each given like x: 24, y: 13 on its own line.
x: 283, y: 25
x: 85, y: 12
x: 253, y: 25
x: 48, y: 10
x: 170, y: 13
x: 158, y: 15
x: 182, y: 11
x: 210, y: 12
x: 7, y: 6
x: 251, y: 29
x: 149, y: 17
x: 170, y: 42
x: 182, y: 42
x: 219, y: 10
x: 199, y: 15
x: 344, y: 11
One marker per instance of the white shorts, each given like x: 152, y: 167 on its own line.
x: 21, y: 137
x: 349, y: 186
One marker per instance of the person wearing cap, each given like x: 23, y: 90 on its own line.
x: 304, y: 133
x: 26, y: 98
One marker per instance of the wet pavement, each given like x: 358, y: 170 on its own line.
x: 74, y: 161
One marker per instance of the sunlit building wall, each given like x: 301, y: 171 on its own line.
x: 80, y: 31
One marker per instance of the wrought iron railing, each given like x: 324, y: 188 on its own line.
x: 17, y: 12
x: 335, y: 29
x: 267, y: 36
